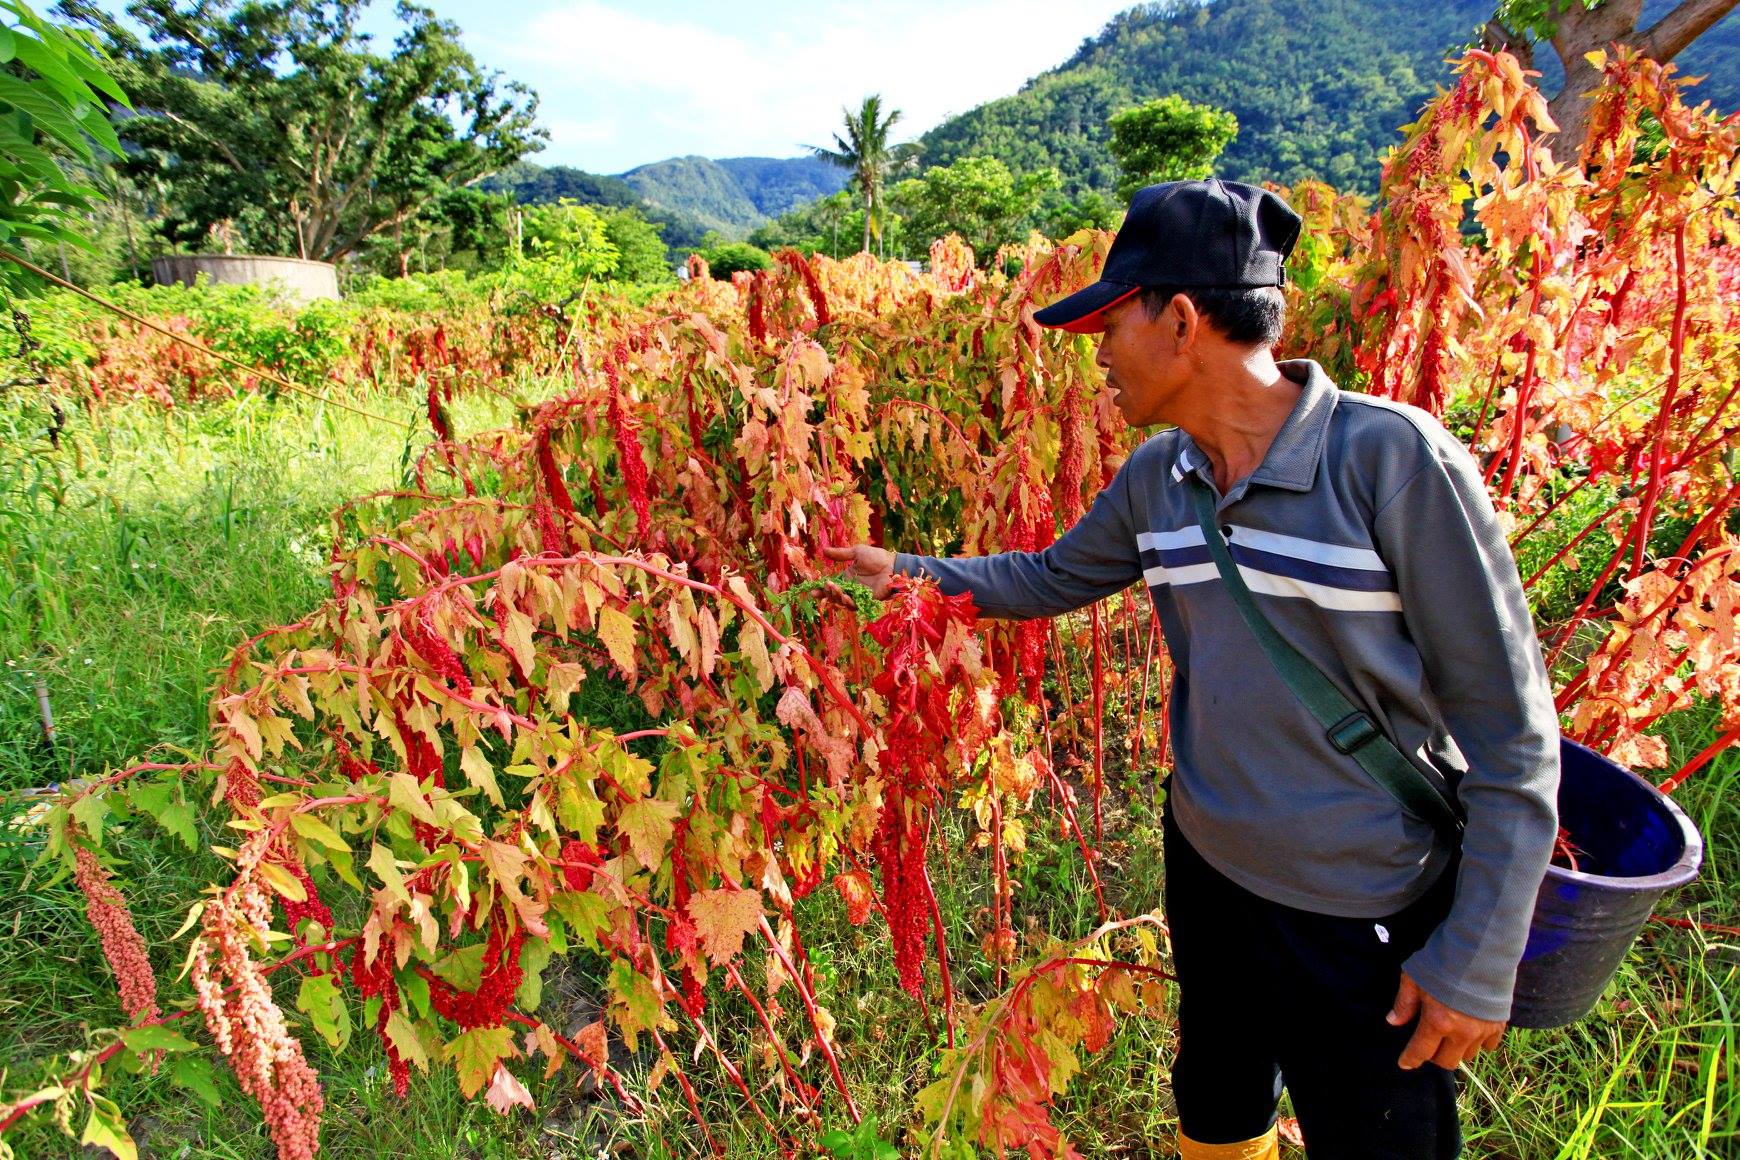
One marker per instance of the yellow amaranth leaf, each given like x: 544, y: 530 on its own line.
x: 616, y: 629
x: 722, y: 918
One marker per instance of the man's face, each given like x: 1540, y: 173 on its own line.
x: 1140, y: 357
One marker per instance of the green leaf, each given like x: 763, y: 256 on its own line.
x: 475, y: 1054
x: 480, y: 773
x: 195, y: 1073
x: 534, y: 957
x: 106, y: 1129
x: 91, y: 810
x: 647, y: 824
x: 320, y: 999
x: 585, y: 913
x: 404, y: 1039
x: 283, y: 881
x: 8, y: 44
x: 315, y: 830
x: 578, y: 807
x: 48, y: 114
x: 463, y: 968
x: 154, y: 1038
x: 159, y: 801
x: 51, y: 67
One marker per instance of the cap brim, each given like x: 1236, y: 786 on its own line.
x: 1084, y: 312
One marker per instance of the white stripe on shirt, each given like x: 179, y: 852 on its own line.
x: 1316, y: 551
x: 1322, y: 595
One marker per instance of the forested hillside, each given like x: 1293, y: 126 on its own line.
x: 686, y: 195
x: 1319, y: 86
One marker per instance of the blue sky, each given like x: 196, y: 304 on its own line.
x: 623, y: 83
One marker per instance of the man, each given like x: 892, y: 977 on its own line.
x: 1323, y: 936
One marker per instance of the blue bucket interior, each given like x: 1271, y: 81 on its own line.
x: 1619, y: 825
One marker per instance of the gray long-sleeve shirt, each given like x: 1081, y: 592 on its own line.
x: 1369, y: 541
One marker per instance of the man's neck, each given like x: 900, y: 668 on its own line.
x: 1236, y: 410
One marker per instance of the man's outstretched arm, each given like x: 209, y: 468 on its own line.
x: 1095, y: 558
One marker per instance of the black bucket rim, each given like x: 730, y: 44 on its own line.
x: 1684, y: 869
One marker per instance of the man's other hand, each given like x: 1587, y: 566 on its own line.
x: 870, y: 566
x: 1444, y: 1036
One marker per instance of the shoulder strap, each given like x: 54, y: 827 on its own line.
x: 1349, y: 728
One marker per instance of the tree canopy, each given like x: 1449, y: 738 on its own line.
x: 53, y: 89
x: 866, y: 151
x: 280, y: 118
x: 1168, y: 139
x: 977, y: 198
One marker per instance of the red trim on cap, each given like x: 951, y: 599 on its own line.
x: 1095, y: 322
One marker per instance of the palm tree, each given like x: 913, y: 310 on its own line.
x: 864, y: 149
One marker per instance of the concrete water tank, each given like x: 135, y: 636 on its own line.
x: 298, y: 278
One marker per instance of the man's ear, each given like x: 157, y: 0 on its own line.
x: 1183, y: 322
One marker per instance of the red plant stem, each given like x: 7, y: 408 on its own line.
x: 121, y: 775
x: 1711, y: 517
x: 1693, y: 924
x: 1480, y: 423
x: 1142, y: 705
x: 804, y: 1091
x: 688, y: 1094
x: 942, y: 952
x: 1524, y: 397
x: 1002, y: 909
x: 1139, y: 968
x: 1570, y: 546
x: 79, y: 1078
x: 1099, y: 696
x: 601, y: 1066
x: 1703, y: 758
x: 736, y: 1078
x: 1577, y: 617
x: 1062, y: 669
x: 1081, y: 841
x: 1676, y: 352
x: 1666, y: 604
x: 1551, y: 508
x: 809, y: 1002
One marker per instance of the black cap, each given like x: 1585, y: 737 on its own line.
x: 1186, y: 233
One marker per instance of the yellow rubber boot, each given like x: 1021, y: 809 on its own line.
x: 1264, y: 1147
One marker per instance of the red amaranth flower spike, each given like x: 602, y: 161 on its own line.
x: 631, y: 460
x: 122, y: 946
x: 236, y: 999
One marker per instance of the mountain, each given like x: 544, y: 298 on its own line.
x: 532, y: 184
x: 736, y: 194
x: 1320, y: 87
x: 687, y: 195
x: 779, y: 184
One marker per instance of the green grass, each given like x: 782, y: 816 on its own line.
x: 134, y: 557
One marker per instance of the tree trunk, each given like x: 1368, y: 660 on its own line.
x: 1581, y: 31
x: 869, y: 208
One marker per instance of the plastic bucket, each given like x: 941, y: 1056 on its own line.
x: 1633, y: 845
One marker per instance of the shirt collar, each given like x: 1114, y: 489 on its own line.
x: 1291, y: 461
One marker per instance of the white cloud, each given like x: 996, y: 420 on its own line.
x: 620, y: 87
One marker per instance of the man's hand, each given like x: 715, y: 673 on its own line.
x: 1444, y: 1036
x: 870, y: 566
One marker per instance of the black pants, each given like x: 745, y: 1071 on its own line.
x: 1271, y: 995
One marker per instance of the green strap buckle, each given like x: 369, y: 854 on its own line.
x: 1353, y: 732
